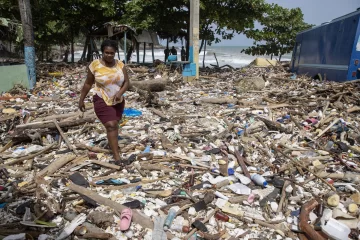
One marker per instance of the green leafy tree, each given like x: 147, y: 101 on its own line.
x: 59, y: 22
x: 277, y: 37
x: 9, y: 9
x: 170, y: 19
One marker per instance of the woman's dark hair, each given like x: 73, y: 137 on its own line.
x: 109, y: 43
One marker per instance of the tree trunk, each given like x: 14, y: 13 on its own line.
x: 138, y: 52
x: 29, y: 49
x: 72, y: 47
x: 129, y: 54
x: 201, y: 45
x: 167, y: 47
x: 90, y: 50
x: 204, y: 54
x: 84, y: 50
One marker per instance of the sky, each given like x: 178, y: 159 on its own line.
x: 315, y: 12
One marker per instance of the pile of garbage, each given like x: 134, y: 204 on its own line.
x: 250, y: 153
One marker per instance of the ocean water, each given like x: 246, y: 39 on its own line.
x: 230, y: 55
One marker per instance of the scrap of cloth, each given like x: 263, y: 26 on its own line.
x: 108, y: 81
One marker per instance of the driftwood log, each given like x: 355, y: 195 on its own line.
x: 67, y: 115
x: 219, y: 100
x: 139, y: 70
x: 51, y: 124
x: 90, y: 228
x: 56, y: 165
x: 31, y: 156
x: 158, y: 112
x: 92, y: 149
x: 68, y: 144
x: 156, y: 85
x: 19, y: 136
x: 137, y: 217
x: 156, y: 167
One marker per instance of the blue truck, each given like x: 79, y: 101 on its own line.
x: 330, y: 51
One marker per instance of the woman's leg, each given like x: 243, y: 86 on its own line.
x: 112, y: 135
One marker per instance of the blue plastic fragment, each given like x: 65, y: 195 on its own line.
x: 295, y: 213
x: 2, y: 205
x: 286, y: 117
x: 240, y: 132
x: 147, y: 149
x: 130, y: 112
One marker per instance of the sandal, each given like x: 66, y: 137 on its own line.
x: 125, y: 219
x: 120, y: 163
x: 136, y: 204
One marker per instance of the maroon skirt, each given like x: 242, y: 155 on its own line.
x: 108, y: 113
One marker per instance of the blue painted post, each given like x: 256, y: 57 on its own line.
x: 191, y: 70
x: 31, y: 66
x: 29, y: 49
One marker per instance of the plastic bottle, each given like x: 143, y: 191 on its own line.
x: 27, y: 216
x: 220, y: 195
x: 259, y: 180
x: 170, y: 218
x: 329, y: 145
x: 191, y: 181
x: 131, y: 189
x: 221, y: 216
x: 350, y: 188
x: 192, y: 178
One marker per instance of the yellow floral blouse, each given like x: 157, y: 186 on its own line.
x: 108, y: 80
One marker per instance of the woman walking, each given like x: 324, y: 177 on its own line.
x: 111, y: 82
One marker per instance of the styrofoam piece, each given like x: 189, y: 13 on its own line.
x: 239, y: 188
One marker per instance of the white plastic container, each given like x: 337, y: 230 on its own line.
x: 243, y: 179
x: 259, y: 180
x: 336, y: 230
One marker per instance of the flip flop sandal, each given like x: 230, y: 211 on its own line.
x: 95, y: 167
x: 125, y: 219
x: 213, y: 151
x: 131, y: 159
x: 135, y: 180
x: 199, y: 225
x: 110, y: 182
x: 136, y: 204
x: 120, y: 163
x: 201, y: 205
